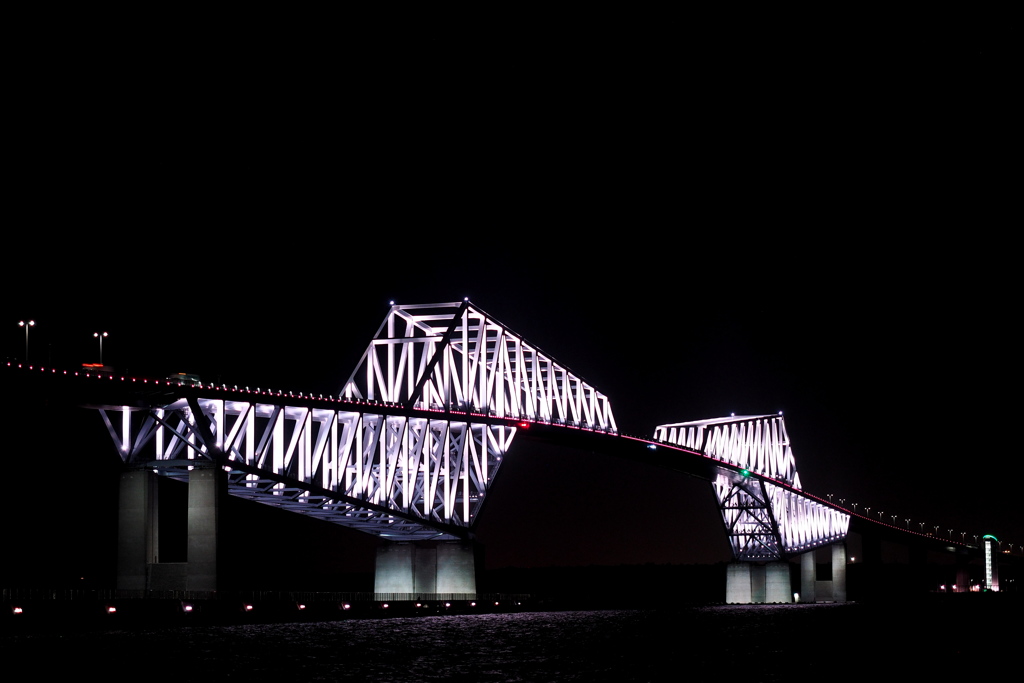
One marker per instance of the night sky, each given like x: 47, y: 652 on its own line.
x: 698, y: 216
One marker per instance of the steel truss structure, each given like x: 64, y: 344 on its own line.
x: 765, y: 517
x: 455, y: 358
x: 410, y: 448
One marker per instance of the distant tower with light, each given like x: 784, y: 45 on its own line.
x: 991, y: 564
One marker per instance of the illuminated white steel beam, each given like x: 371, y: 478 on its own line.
x: 764, y: 520
x: 411, y: 448
x: 455, y: 358
x: 389, y: 474
x: 758, y: 443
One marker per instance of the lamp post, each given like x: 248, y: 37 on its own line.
x: 100, y: 336
x: 26, y: 325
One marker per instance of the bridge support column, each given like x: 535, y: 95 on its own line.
x: 138, y: 542
x: 814, y: 590
x: 808, y: 577
x: 839, y: 572
x: 426, y: 568
x: 205, y: 490
x: 737, y: 584
x: 747, y: 583
x: 777, y: 584
x: 137, y: 529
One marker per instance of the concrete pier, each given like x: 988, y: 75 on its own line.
x: 206, y: 487
x: 138, y: 538
x: 777, y: 585
x: 814, y: 589
x: 137, y: 529
x: 747, y: 583
x: 426, y: 568
x: 737, y: 584
x: 839, y: 572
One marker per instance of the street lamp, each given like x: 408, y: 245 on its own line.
x: 100, y: 336
x: 26, y: 324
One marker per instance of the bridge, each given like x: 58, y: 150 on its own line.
x: 411, y: 446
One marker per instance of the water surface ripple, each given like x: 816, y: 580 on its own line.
x: 762, y: 643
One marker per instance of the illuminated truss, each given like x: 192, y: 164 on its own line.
x: 408, y: 451
x: 386, y: 474
x: 765, y: 517
x: 453, y: 357
x: 759, y: 444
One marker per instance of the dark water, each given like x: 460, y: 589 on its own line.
x: 751, y: 643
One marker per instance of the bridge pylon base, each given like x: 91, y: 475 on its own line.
x: 426, y: 568
x: 814, y: 590
x: 747, y: 583
x: 138, y: 541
